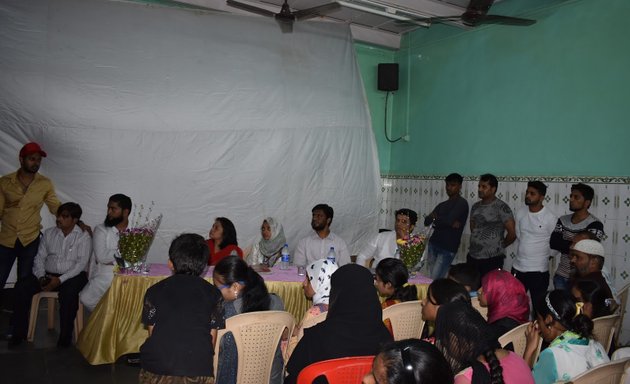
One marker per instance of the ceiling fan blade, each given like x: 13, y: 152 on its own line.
x: 316, y: 11
x: 506, y: 20
x: 250, y: 8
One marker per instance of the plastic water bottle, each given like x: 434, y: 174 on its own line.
x: 397, y: 254
x: 332, y: 256
x: 285, y: 258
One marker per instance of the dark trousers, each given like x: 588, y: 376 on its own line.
x: 535, y: 282
x: 25, y: 256
x: 68, y: 305
x: 485, y: 265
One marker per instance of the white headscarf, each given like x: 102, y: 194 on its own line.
x: 319, y: 274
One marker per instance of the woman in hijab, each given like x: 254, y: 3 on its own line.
x: 316, y: 287
x: 461, y: 335
x: 265, y: 249
x: 506, y: 299
x: 353, y: 327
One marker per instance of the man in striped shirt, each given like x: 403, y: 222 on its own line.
x: 60, y: 264
x: 570, y: 225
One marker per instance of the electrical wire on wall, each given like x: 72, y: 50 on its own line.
x: 385, y: 124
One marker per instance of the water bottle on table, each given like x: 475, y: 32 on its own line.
x: 285, y: 258
x: 332, y: 255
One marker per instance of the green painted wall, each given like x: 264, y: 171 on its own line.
x: 369, y: 57
x: 549, y: 99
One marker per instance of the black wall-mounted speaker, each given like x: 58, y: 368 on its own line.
x: 388, y: 77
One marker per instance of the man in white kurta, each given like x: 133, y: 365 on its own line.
x: 317, y: 245
x: 384, y: 244
x: 105, y: 246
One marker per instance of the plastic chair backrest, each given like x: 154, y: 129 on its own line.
x: 257, y: 335
x: 483, y: 310
x: 604, y: 329
x: 406, y: 319
x: 518, y: 339
x: 348, y: 370
x: 608, y: 373
x: 623, y: 301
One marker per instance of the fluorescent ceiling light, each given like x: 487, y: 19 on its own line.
x: 388, y: 12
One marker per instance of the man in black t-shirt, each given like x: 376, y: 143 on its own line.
x: 182, y: 314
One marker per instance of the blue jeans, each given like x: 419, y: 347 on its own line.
x: 439, y: 261
x: 560, y: 282
x: 25, y: 256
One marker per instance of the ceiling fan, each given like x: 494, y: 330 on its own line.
x: 477, y: 14
x: 286, y: 16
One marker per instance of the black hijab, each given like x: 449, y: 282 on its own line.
x: 353, y: 327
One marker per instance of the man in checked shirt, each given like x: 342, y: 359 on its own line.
x: 60, y: 264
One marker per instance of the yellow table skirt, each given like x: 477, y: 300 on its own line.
x: 115, y: 328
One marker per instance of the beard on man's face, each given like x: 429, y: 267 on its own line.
x: 113, y: 221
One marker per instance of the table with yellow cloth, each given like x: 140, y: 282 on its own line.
x: 115, y: 328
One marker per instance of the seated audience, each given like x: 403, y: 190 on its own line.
x: 461, y: 334
x: 561, y: 323
x: 506, y: 299
x: 384, y: 244
x: 105, y: 249
x: 222, y: 241
x: 353, y: 327
x: 466, y: 275
x: 243, y: 291
x: 316, y: 287
x: 317, y: 245
x: 595, y: 295
x: 391, y: 282
x: 408, y: 362
x: 587, y: 257
x: 265, y: 249
x: 188, y: 311
x: 60, y: 263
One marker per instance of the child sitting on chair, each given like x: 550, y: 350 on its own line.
x: 182, y: 314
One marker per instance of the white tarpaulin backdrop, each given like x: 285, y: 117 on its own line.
x: 206, y: 114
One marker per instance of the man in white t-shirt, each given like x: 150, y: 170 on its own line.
x: 534, y: 225
x: 317, y: 245
x: 384, y: 244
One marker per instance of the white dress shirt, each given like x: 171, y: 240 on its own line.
x: 313, y: 248
x: 64, y: 255
x: 102, y: 264
x: 533, y: 231
x: 378, y: 248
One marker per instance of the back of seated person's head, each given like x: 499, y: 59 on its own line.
x: 254, y: 294
x: 188, y: 254
x: 559, y: 309
x: 440, y: 292
x: 392, y: 275
x: 462, y: 335
x: 466, y: 275
x: 408, y: 362
x: 595, y: 295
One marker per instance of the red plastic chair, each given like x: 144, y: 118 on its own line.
x: 348, y: 370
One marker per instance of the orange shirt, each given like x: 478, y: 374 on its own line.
x: 20, y: 210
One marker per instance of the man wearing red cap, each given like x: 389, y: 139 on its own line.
x: 22, y: 194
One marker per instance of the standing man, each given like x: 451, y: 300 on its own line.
x: 448, y: 219
x: 534, y: 225
x: 104, y: 249
x: 63, y: 255
x: 492, y: 228
x: 22, y: 194
x: 384, y: 244
x: 317, y: 245
x: 569, y: 225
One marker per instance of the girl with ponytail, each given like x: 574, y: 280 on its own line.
x: 391, y: 281
x: 462, y: 335
x: 571, y: 351
x: 243, y: 291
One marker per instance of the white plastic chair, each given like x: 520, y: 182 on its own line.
x: 51, y: 297
x: 406, y: 319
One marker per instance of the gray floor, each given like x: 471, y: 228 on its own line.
x: 42, y: 362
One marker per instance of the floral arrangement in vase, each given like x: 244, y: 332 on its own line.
x: 411, y: 250
x: 135, y: 241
